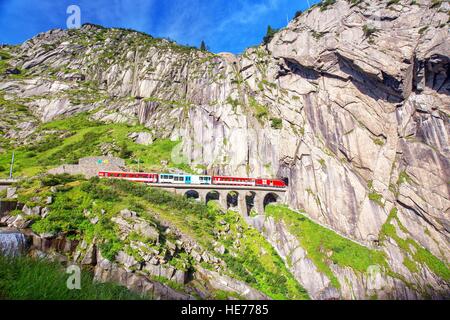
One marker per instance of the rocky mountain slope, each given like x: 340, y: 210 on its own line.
x: 350, y: 102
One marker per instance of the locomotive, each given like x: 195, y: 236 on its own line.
x: 171, y: 178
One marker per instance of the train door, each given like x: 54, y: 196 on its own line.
x: 188, y: 180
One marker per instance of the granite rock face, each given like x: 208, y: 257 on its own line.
x: 350, y: 102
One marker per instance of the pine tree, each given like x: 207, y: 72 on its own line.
x: 203, y: 46
x: 269, y: 34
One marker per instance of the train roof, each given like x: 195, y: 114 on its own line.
x: 192, y: 175
x: 127, y: 172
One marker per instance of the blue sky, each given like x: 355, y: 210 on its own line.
x: 225, y: 25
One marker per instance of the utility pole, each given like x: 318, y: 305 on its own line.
x: 11, y: 167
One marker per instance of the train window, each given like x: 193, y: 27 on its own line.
x: 170, y: 177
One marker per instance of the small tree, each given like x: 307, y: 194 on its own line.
x: 203, y: 46
x: 125, y: 153
x: 269, y: 34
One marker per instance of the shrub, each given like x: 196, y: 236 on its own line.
x: 59, y: 179
x: 44, y: 145
x: 392, y: 2
x: 325, y: 4
x: 66, y: 221
x: 277, y: 123
x: 269, y: 34
x: 369, y: 31
x: 4, y: 55
x: 125, y: 153
x: 109, y: 249
x: 99, y: 191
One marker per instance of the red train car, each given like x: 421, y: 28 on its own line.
x: 233, y: 181
x: 270, y: 183
x: 131, y: 176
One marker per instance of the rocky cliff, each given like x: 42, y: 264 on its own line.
x: 350, y: 103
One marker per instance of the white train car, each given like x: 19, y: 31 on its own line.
x: 172, y: 178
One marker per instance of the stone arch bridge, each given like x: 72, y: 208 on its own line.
x: 243, y: 198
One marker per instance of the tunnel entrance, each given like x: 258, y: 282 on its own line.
x: 212, y: 195
x: 192, y: 194
x: 232, y: 199
x: 271, y: 198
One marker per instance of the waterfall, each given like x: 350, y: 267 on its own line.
x: 12, y: 243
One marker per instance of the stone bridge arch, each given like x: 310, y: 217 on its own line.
x: 192, y: 194
x: 264, y: 198
x: 271, y: 197
x: 243, y: 200
x: 212, y: 195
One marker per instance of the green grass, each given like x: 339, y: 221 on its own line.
x: 377, y: 198
x: 85, y: 138
x: 277, y: 123
x: 258, y: 263
x: 419, y: 255
x: 28, y: 279
x: 320, y: 242
x: 260, y: 111
x: 403, y: 177
x: 379, y: 142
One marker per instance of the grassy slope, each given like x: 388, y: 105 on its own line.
x: 324, y: 246
x: 84, y: 139
x: 25, y: 279
x: 253, y: 261
x: 413, y: 253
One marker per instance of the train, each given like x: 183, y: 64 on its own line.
x: 172, y: 178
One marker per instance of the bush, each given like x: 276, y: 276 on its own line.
x: 44, y: 145
x: 369, y: 31
x: 99, y: 191
x: 59, y: 221
x: 392, y: 2
x: 277, y: 123
x: 325, y: 4
x: 269, y: 34
x: 59, y: 179
x: 110, y: 249
x: 125, y: 153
